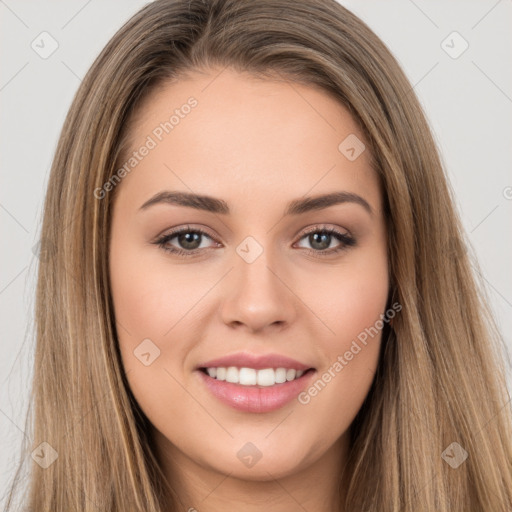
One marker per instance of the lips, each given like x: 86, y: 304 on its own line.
x: 244, y: 360
x: 255, y: 396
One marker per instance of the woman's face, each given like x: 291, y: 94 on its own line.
x: 255, y: 173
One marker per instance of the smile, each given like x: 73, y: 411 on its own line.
x: 255, y: 391
x: 252, y: 377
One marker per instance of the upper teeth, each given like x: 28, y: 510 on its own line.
x: 252, y: 377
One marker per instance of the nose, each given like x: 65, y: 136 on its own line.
x: 258, y: 296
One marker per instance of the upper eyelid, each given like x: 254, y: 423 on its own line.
x: 314, y: 227
x: 305, y: 231
x: 186, y: 229
x: 323, y: 227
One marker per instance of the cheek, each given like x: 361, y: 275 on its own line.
x: 351, y: 305
x: 349, y: 298
x: 142, y: 311
x: 150, y: 304
x: 151, y: 297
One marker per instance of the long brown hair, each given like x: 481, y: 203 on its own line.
x: 440, y: 379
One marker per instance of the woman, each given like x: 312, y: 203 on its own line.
x: 260, y: 295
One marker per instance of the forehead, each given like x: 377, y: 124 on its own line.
x: 251, y: 134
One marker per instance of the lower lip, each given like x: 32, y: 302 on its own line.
x: 253, y: 398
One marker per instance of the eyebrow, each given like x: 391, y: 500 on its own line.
x: 219, y: 206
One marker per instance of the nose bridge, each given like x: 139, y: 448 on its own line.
x: 256, y: 294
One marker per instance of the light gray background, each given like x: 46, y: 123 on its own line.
x: 467, y: 99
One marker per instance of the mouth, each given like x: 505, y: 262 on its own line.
x: 252, y: 390
x: 253, y: 377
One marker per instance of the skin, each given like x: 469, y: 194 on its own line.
x: 256, y: 144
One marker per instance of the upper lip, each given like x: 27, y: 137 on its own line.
x: 245, y: 360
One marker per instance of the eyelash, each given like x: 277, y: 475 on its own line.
x: 346, y: 241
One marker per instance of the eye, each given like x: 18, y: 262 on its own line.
x: 320, y: 239
x: 190, y: 240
